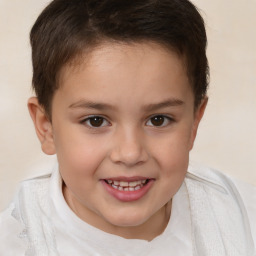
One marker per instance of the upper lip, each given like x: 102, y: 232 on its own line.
x: 128, y: 179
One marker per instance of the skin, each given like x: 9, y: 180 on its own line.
x: 130, y: 84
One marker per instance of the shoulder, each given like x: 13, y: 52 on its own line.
x: 248, y: 195
x: 241, y: 190
x: 36, y: 180
x: 212, y: 176
x: 33, y: 190
x: 11, y: 242
x: 12, y: 221
x: 215, y: 177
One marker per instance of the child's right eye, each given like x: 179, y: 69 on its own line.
x: 95, y: 122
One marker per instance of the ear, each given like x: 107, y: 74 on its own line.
x: 42, y: 125
x: 197, y: 118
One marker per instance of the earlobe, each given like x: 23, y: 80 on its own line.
x: 42, y: 125
x: 197, y: 118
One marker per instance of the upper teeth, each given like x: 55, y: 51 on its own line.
x: 126, y: 183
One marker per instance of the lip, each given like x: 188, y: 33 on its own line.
x: 128, y: 196
x: 128, y: 179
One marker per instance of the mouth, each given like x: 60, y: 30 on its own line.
x: 127, y: 185
x: 128, y: 190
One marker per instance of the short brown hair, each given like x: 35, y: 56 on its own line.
x: 66, y: 28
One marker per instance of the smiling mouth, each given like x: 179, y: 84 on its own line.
x: 127, y: 186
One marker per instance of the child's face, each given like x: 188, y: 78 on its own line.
x: 123, y: 120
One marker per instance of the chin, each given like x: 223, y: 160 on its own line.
x: 127, y: 220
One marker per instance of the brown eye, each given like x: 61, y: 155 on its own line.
x: 159, y: 121
x: 95, y: 121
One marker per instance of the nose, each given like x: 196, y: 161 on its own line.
x: 129, y: 148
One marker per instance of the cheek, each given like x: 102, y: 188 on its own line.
x: 78, y: 164
x: 173, y: 161
x: 79, y: 154
x: 172, y: 156
x: 172, y: 148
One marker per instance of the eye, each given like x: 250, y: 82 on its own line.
x: 159, y: 121
x: 95, y: 121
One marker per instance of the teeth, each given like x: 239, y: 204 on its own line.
x: 134, y: 183
x: 124, y: 184
x: 127, y: 186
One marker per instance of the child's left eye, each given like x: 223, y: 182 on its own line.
x: 159, y: 121
x: 95, y: 121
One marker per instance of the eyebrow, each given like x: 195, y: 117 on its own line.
x: 173, y: 102
x: 91, y: 105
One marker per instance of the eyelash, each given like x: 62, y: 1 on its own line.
x: 90, y: 118
x: 167, y: 120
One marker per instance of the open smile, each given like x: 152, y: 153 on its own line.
x: 127, y: 186
x: 127, y: 191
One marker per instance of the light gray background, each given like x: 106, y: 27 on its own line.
x: 227, y: 135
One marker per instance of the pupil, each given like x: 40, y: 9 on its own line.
x: 96, y: 121
x: 157, y: 120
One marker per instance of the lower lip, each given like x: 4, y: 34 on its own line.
x: 127, y: 196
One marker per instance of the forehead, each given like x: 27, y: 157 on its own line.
x: 136, y: 69
x: 114, y: 53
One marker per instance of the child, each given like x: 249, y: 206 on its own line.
x: 121, y: 89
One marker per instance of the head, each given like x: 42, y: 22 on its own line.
x: 121, y: 88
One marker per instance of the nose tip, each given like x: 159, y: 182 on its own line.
x: 129, y: 152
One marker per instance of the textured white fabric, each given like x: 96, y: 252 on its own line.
x: 32, y: 212
x: 39, y: 222
x: 33, y: 205
x: 217, y: 210
x: 11, y: 242
x: 248, y: 195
